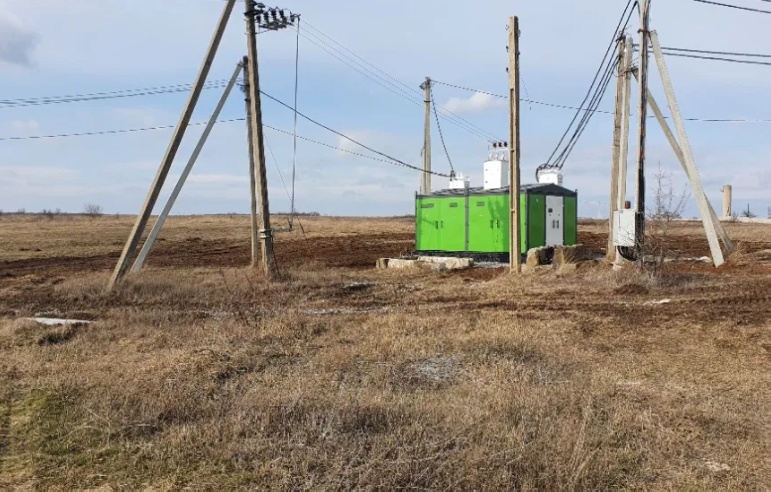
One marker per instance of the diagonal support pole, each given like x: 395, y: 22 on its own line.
x: 145, y: 251
x: 729, y: 245
x: 160, y: 177
x: 693, y: 173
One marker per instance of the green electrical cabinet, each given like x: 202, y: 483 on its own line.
x: 477, y: 221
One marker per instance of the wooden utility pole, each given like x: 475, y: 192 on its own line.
x: 645, y: 7
x: 515, y: 248
x: 705, y: 209
x: 624, y: 150
x: 163, y: 170
x: 145, y: 251
x: 425, y: 183
x: 252, y: 169
x: 610, y: 254
x: 266, y: 234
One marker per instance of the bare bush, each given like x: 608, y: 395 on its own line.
x: 668, y: 206
x: 748, y: 214
x: 93, y: 210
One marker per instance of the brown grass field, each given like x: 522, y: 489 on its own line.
x: 196, y: 373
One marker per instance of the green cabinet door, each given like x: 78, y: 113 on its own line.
x: 500, y: 212
x: 452, y: 224
x: 427, y: 217
x: 536, y: 221
x: 482, y: 230
x: 571, y: 220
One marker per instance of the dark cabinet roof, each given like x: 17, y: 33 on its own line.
x: 537, y: 189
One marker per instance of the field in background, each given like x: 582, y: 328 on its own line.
x: 197, y: 373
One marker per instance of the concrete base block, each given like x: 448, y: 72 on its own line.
x: 450, y: 263
x: 538, y: 256
x: 430, y: 262
x: 565, y: 255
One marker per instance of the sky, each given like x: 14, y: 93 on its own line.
x: 53, y: 48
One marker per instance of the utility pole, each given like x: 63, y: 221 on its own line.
x: 271, y: 19
x: 610, y: 254
x: 645, y: 7
x: 163, y: 170
x: 624, y: 150
x: 255, y: 229
x: 425, y: 183
x: 258, y: 154
x: 515, y: 259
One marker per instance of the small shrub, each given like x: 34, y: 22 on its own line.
x: 748, y: 213
x: 93, y: 210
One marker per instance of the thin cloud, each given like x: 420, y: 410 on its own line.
x: 477, y: 103
x: 16, y: 42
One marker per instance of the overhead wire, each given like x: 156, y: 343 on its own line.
x: 593, y: 87
x: 350, y: 139
x: 439, y: 127
x: 608, y: 76
x: 712, y: 52
x: 738, y: 7
x: 716, y: 58
x: 386, y: 74
x: 349, y: 57
x: 95, y: 96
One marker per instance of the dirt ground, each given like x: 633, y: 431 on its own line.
x: 198, y: 373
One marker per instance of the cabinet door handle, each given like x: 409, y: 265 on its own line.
x: 436, y: 224
x: 442, y: 224
x: 491, y: 224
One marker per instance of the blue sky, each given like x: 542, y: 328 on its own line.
x: 50, y: 48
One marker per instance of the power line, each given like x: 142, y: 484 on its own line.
x: 562, y: 106
x: 710, y: 52
x: 439, y: 127
x: 95, y: 96
x: 169, y: 127
x: 398, y: 87
x: 610, y: 51
x: 357, y: 67
x: 395, y: 160
x: 749, y: 9
x: 718, y: 58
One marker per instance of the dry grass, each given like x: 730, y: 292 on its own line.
x: 210, y: 378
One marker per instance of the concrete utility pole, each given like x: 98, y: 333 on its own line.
x: 645, y: 7
x: 727, y: 199
x: 624, y: 149
x: 425, y: 183
x: 610, y: 253
x: 515, y: 247
x: 252, y: 169
x: 160, y: 177
x: 266, y: 234
x: 705, y: 209
x: 145, y: 251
